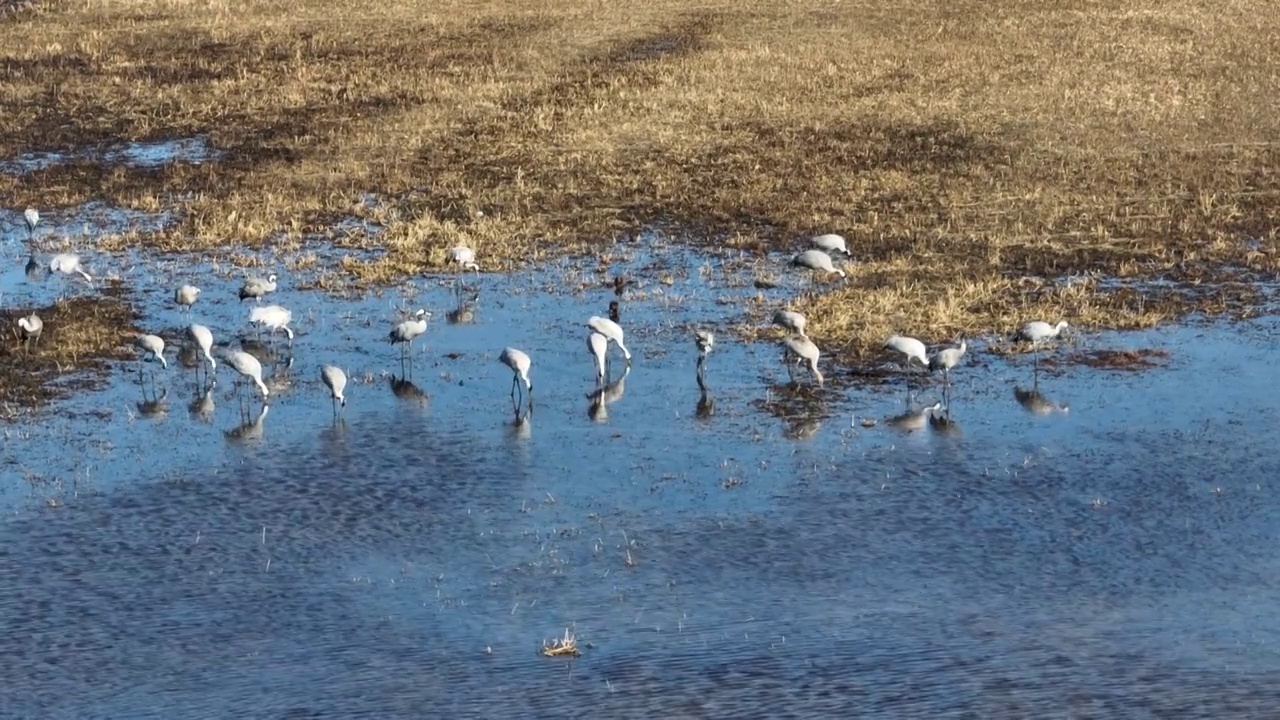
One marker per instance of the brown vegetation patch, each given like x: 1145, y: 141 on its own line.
x: 80, y: 335
x: 960, y: 148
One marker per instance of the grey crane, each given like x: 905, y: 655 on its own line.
x: 152, y: 345
x: 273, y: 317
x: 948, y: 358
x: 830, y: 243
x: 256, y: 287
x: 404, y: 333
x: 612, y: 332
x: 519, y: 363
x: 32, y: 218
x: 336, y: 380
x: 186, y: 296
x: 817, y: 260
x: 908, y: 349
x: 203, y: 339
x: 791, y: 321
x: 248, y: 366
x: 30, y: 328
x: 705, y: 341
x: 803, y: 349
x: 599, y: 346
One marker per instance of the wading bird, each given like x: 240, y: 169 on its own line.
x: 599, y: 347
x: 948, y: 358
x: 405, y: 332
x: 186, y: 296
x: 273, y: 317
x: 152, y: 345
x: 203, y: 339
x: 465, y: 258
x: 256, y: 287
x: 908, y: 349
x: 817, y: 260
x: 32, y: 218
x: 802, y: 348
x: 830, y: 243
x: 68, y: 263
x: 336, y: 381
x: 791, y: 320
x: 519, y: 363
x: 248, y: 366
x: 612, y: 332
x: 30, y: 328
x: 1038, y: 331
x: 705, y: 340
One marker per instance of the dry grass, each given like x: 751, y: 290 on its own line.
x: 960, y: 146
x: 79, y: 334
x: 563, y: 646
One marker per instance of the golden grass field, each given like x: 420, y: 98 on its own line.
x: 970, y: 151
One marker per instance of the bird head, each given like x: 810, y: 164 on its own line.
x: 272, y: 277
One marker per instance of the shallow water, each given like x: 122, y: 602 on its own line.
x: 1113, y: 559
x: 140, y: 155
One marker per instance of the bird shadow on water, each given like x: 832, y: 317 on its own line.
x: 802, y: 408
x: 605, y: 395
x: 250, y: 429
x: 404, y: 389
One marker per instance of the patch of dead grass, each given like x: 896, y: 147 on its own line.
x: 80, y: 334
x: 960, y: 146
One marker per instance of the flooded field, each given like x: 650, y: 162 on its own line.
x: 761, y: 547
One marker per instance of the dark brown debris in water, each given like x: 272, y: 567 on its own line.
x: 1131, y: 360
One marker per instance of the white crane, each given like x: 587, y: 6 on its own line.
x: 336, y: 380
x: 599, y: 347
x: 612, y: 332
x: 186, y: 296
x: 32, y: 218
x: 273, y: 317
x: 519, y: 363
x: 68, y: 263
x: 908, y: 349
x: 203, y: 339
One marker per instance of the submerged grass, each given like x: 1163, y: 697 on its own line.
x: 973, y: 153
x: 80, y: 334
